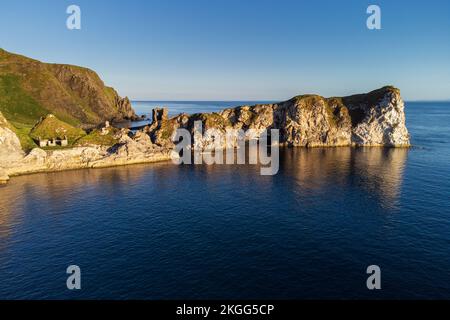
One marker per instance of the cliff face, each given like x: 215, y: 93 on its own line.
x: 30, y: 89
x: 10, y: 148
x: 373, y: 119
x: 378, y: 118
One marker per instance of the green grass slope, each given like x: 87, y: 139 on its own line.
x: 50, y: 127
x: 96, y: 138
x: 30, y: 89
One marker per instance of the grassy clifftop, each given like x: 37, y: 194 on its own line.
x: 30, y: 89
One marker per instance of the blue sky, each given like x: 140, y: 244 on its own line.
x: 241, y: 49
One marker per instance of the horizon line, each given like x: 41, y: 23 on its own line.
x: 258, y: 100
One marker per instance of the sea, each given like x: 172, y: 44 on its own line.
x: 162, y: 231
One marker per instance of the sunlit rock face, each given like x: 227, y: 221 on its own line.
x: 373, y: 119
x: 384, y: 123
x: 131, y: 149
x: 10, y: 148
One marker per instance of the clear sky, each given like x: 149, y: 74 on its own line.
x: 241, y: 49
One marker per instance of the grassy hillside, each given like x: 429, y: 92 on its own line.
x: 16, y: 104
x: 50, y: 127
x: 30, y: 89
x: 97, y: 138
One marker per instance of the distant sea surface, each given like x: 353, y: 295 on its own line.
x: 144, y: 108
x: 161, y: 231
x: 177, y: 107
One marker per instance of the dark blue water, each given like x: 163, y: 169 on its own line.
x: 161, y: 231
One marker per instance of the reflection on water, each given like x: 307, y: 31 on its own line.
x: 382, y: 171
x: 377, y: 170
x: 308, y: 171
x: 55, y: 191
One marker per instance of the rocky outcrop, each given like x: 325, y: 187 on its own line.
x: 125, y: 109
x: 373, y: 119
x: 3, y: 176
x: 30, y: 89
x: 10, y: 148
x: 378, y: 118
x: 131, y: 149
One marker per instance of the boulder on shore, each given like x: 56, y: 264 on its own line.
x: 3, y: 176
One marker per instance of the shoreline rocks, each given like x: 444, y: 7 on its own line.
x: 4, y: 178
x: 130, y: 150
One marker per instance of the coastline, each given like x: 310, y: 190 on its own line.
x: 16, y: 172
x: 130, y: 150
x: 375, y: 119
x: 21, y: 169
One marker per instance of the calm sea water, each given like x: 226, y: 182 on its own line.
x: 176, y: 107
x: 144, y: 108
x: 161, y: 231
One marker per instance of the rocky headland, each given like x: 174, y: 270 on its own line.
x: 42, y: 103
x: 373, y: 119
